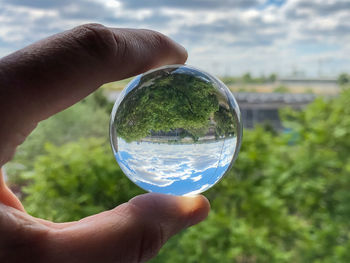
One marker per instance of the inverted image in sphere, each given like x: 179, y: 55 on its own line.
x: 175, y: 130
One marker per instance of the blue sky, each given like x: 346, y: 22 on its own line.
x: 175, y: 168
x: 222, y: 37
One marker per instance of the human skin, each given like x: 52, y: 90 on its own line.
x: 75, y: 63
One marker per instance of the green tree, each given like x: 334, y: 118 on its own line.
x: 343, y: 79
x: 272, y: 77
x: 169, y: 103
x: 88, y: 118
x: 229, y: 80
x: 226, y: 123
x: 247, y: 78
x: 281, y: 89
x: 76, y: 180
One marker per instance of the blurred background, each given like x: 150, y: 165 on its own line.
x: 287, y: 198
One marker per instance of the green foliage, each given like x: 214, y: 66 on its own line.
x: 272, y: 77
x: 286, y: 198
x: 224, y: 123
x: 343, y: 79
x: 88, y: 118
x: 76, y: 180
x: 281, y: 89
x: 229, y: 80
x: 242, y: 89
x: 309, y: 91
x: 97, y: 101
x: 171, y: 103
x: 248, y: 79
x: 116, y: 85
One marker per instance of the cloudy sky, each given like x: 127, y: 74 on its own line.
x: 175, y: 168
x: 222, y: 36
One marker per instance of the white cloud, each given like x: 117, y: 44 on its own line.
x: 226, y: 37
x: 163, y: 164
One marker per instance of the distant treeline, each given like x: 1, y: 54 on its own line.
x: 247, y: 78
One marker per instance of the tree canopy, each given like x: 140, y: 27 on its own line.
x: 343, y: 79
x: 175, y: 101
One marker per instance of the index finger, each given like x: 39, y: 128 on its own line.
x: 52, y: 74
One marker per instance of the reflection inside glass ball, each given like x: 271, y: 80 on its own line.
x: 175, y: 130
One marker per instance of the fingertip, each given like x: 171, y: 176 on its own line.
x: 198, y: 208
x: 191, y: 209
x: 178, y: 53
x: 183, y: 53
x: 7, y: 197
x: 154, y: 49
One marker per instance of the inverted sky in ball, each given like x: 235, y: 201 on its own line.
x: 175, y: 130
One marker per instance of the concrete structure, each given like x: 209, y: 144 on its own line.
x: 308, y: 81
x: 263, y: 107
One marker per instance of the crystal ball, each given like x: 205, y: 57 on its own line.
x: 175, y: 130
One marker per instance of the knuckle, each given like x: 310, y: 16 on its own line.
x: 96, y: 39
x: 93, y: 32
x: 95, y: 26
x: 160, y: 40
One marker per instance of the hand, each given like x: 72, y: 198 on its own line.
x: 74, y: 64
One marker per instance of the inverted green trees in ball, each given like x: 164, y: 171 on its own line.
x: 175, y: 130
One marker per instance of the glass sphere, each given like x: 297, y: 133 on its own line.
x: 175, y: 130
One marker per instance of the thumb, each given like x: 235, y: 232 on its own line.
x: 132, y: 232
x: 7, y: 197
